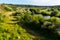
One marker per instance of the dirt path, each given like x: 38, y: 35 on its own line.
x: 9, y: 13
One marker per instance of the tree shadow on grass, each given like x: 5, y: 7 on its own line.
x: 46, y: 34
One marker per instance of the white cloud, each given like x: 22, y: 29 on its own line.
x: 46, y: 2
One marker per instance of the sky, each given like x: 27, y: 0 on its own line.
x: 32, y: 2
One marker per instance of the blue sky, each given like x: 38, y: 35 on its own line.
x: 32, y: 2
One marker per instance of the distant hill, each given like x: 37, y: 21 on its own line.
x: 31, y: 5
x: 23, y: 5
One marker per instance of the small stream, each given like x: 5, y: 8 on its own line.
x: 46, y: 16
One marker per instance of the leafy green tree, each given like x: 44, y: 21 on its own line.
x: 53, y: 13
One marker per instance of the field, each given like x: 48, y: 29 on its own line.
x: 27, y: 22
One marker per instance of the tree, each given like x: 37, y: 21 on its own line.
x: 53, y: 13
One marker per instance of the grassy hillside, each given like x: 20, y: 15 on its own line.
x: 21, y: 22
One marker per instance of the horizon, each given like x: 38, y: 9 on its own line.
x: 32, y: 2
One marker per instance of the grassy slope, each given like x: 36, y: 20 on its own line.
x: 9, y: 30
